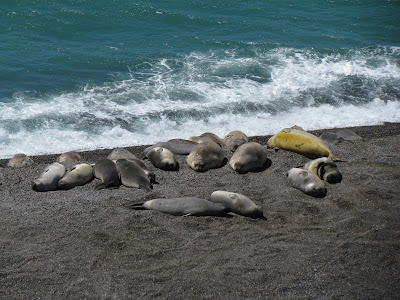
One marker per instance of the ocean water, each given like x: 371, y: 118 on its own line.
x: 80, y: 75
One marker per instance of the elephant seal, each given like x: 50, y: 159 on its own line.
x: 205, y: 156
x: 342, y: 135
x: 20, y: 160
x: 163, y: 159
x: 215, y: 138
x: 176, y: 146
x: 121, y: 153
x: 200, y: 139
x: 248, y: 157
x: 307, y: 182
x: 238, y: 204
x: 80, y: 174
x: 325, y: 169
x: 234, y: 139
x: 132, y: 175
x: 107, y: 172
x: 68, y: 158
x: 49, y: 178
x: 301, y: 142
x: 185, y: 206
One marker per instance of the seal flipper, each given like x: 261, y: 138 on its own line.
x: 332, y: 157
x: 136, y: 206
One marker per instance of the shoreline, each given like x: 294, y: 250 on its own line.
x: 388, y: 128
x: 84, y: 243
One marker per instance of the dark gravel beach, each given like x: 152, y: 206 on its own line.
x: 88, y: 244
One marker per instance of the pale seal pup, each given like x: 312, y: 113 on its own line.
x: 176, y: 146
x: 234, y: 139
x: 301, y: 142
x: 200, y: 139
x: 121, y: 153
x: 132, y: 175
x: 307, y: 182
x: 325, y: 169
x: 248, y: 157
x: 80, y: 174
x: 185, y: 206
x: 238, y: 204
x: 106, y: 170
x: 163, y: 159
x: 49, y: 178
x: 20, y: 160
x: 70, y: 157
x: 206, y: 156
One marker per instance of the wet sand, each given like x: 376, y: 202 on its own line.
x: 87, y: 244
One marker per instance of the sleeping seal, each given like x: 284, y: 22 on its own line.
x: 163, y: 159
x: 132, y: 175
x: 215, y: 138
x: 307, y: 182
x: 205, y: 156
x: 49, y: 178
x: 248, y: 157
x: 238, y: 203
x: 176, y: 146
x: 68, y: 158
x: 301, y: 142
x: 234, y: 139
x: 107, y: 172
x: 20, y: 160
x: 325, y: 169
x: 120, y: 153
x: 80, y: 174
x: 185, y: 206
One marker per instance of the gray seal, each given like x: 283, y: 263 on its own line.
x: 325, y: 169
x: 69, y: 158
x: 176, y: 146
x: 121, y: 153
x: 205, y: 156
x: 238, y: 204
x: 49, y: 178
x: 249, y: 157
x: 107, y: 172
x: 234, y: 139
x: 307, y: 182
x: 132, y: 175
x: 185, y: 206
x: 78, y: 175
x: 20, y: 160
x: 163, y: 159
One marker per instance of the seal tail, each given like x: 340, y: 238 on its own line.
x: 332, y: 157
x: 136, y: 206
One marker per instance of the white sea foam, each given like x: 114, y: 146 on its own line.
x: 178, y: 98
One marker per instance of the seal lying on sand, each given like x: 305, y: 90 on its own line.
x: 234, y: 139
x: 248, y: 157
x: 176, y: 146
x: 49, y: 178
x: 215, y: 138
x: 237, y: 203
x: 107, y: 172
x: 78, y: 175
x: 343, y: 135
x: 325, y: 169
x: 20, y: 160
x: 70, y: 157
x: 163, y: 159
x: 132, y: 175
x: 121, y: 153
x: 205, y: 156
x: 301, y: 142
x: 185, y: 206
x: 307, y: 182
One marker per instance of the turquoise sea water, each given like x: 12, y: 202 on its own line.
x: 78, y: 74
